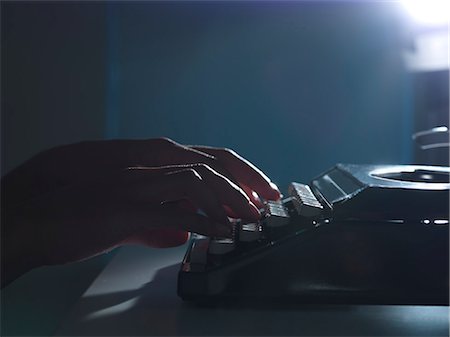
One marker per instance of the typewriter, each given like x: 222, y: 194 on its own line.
x: 366, y: 234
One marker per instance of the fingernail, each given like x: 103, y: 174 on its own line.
x: 276, y: 191
x: 274, y: 187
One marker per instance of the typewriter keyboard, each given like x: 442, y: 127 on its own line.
x: 281, y: 219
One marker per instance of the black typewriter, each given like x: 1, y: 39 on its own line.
x: 355, y: 234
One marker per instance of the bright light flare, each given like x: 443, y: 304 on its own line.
x: 429, y: 12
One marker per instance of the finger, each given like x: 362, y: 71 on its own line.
x: 244, y: 171
x: 227, y: 192
x: 182, y: 184
x: 88, y: 159
x: 91, y: 159
x: 177, y: 154
x: 143, y: 152
x: 224, y: 161
x: 143, y: 217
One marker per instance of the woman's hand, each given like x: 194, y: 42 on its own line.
x: 79, y: 200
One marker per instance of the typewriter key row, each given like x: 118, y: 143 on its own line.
x: 242, y: 232
x: 275, y: 224
x: 275, y: 215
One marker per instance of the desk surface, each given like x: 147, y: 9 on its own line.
x: 136, y: 295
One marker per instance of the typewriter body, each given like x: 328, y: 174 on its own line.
x: 355, y: 234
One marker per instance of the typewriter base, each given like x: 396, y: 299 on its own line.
x: 337, y: 263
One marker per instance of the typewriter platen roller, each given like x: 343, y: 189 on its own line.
x: 355, y: 234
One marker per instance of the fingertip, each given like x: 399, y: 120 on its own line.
x: 276, y: 195
x: 272, y: 193
x: 275, y: 188
x: 170, y: 237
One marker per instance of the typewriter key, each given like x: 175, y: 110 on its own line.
x: 250, y: 232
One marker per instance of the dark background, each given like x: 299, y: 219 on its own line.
x: 295, y: 87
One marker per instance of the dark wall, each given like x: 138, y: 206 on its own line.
x: 293, y: 86
x: 53, y: 76
x: 52, y: 92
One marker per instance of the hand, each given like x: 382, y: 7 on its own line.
x: 79, y: 200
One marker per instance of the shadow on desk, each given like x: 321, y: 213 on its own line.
x: 154, y: 309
